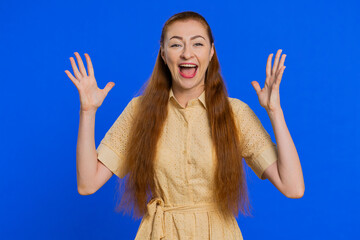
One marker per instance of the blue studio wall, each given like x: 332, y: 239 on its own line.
x: 40, y: 107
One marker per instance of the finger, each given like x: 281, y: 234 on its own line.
x: 276, y: 62
x: 268, y: 65
x: 256, y: 86
x: 108, y: 87
x: 81, y: 64
x: 282, y: 60
x: 72, y: 78
x: 268, y: 70
x: 75, y: 69
x: 89, y: 65
x: 279, y: 75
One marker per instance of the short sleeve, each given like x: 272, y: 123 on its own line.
x: 258, y: 150
x: 112, y: 148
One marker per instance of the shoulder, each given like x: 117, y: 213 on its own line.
x: 242, y: 110
x: 131, y: 107
x: 238, y: 105
x: 135, y: 100
x: 134, y: 103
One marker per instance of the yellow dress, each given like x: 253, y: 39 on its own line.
x: 183, y: 204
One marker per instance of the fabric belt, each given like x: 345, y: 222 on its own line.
x: 156, y: 209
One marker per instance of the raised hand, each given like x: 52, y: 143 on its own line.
x: 269, y: 96
x: 91, y: 97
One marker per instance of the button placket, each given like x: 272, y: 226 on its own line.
x: 188, y: 137
x: 185, y: 150
x: 188, y: 166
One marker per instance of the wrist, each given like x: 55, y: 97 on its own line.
x: 87, y: 112
x: 275, y: 113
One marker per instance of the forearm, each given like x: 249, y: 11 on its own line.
x: 289, y: 166
x: 86, y: 156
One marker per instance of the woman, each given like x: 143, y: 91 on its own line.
x: 181, y: 142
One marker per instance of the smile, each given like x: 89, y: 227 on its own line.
x: 188, y: 70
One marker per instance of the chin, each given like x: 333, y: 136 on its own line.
x: 188, y: 84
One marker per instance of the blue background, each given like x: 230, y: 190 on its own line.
x: 40, y: 107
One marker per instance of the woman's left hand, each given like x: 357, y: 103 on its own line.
x: 269, y: 96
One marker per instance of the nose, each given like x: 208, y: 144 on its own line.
x: 187, y: 52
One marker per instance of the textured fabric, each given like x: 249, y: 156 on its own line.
x: 184, y: 206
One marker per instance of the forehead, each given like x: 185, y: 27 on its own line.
x: 186, y: 29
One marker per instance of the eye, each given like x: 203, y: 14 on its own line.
x: 175, y: 45
x: 199, y: 44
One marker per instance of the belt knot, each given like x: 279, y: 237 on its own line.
x: 156, y: 212
x: 156, y: 208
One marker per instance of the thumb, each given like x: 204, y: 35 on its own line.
x: 256, y: 86
x: 108, y: 87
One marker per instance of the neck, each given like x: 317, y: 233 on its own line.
x: 183, y: 96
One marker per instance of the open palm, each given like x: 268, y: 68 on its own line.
x: 269, y: 96
x: 91, y: 97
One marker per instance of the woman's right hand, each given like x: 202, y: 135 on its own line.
x: 91, y: 97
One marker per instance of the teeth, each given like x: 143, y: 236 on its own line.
x: 187, y: 65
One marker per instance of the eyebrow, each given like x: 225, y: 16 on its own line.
x: 196, y: 36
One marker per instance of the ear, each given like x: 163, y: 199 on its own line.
x: 212, y: 50
x: 162, y: 54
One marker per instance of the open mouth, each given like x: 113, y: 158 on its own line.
x: 188, y: 70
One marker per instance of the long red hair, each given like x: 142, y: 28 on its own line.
x: 230, y: 182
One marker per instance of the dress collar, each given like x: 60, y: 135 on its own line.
x: 201, y: 97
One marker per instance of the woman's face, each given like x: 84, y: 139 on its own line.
x: 187, y: 52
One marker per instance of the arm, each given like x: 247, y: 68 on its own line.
x: 285, y: 174
x: 86, y: 156
x: 91, y: 174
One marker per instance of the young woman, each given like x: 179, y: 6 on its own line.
x: 181, y: 143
